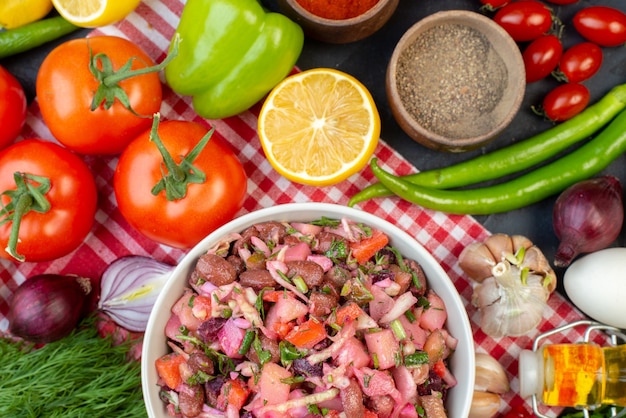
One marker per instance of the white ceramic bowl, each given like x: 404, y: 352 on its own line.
x: 461, y: 363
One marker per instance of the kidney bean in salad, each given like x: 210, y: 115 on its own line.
x: 307, y: 320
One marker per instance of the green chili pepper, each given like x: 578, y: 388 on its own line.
x: 231, y: 54
x: 547, y: 180
x: 34, y: 34
x: 516, y: 157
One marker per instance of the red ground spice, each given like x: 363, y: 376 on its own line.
x: 337, y: 9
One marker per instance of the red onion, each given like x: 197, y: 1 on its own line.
x: 48, y: 307
x: 129, y: 288
x: 587, y: 217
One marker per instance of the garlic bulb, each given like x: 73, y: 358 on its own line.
x: 513, y: 283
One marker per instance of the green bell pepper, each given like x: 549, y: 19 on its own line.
x: 231, y: 54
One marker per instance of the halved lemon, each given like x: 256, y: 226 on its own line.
x: 94, y: 13
x: 319, y: 127
x: 16, y: 13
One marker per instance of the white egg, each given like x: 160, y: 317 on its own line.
x: 596, y: 284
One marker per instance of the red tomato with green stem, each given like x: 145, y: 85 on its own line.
x: 605, y: 26
x: 525, y: 20
x: 565, y: 101
x: 49, y: 201
x: 12, y: 107
x: 90, y: 101
x: 541, y: 57
x: 175, y: 187
x: 579, y: 62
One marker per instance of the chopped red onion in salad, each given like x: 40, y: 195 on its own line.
x: 306, y: 320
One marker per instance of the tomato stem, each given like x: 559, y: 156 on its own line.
x: 25, y: 198
x: 177, y: 177
x: 109, y: 79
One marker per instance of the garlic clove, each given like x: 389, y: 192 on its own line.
x: 477, y: 261
x: 484, y: 405
x: 520, y: 241
x: 500, y: 245
x: 490, y: 375
x: 537, y: 262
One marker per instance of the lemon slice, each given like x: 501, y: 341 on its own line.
x: 94, y: 13
x: 319, y: 127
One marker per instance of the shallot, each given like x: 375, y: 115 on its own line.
x: 129, y: 288
x: 47, y: 307
x: 587, y: 217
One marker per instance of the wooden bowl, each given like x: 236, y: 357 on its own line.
x: 339, y: 31
x: 455, y: 80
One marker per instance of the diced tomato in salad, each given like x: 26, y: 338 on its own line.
x: 306, y: 320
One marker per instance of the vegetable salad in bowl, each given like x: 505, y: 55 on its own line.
x: 307, y: 310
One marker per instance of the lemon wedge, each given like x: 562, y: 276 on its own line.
x: 94, y: 13
x: 319, y: 127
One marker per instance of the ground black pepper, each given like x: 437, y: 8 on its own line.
x: 450, y: 79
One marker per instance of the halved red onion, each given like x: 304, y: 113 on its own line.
x: 129, y: 288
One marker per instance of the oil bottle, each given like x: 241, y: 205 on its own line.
x: 583, y: 375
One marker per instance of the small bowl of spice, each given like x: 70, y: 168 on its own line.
x: 339, y: 21
x: 455, y: 81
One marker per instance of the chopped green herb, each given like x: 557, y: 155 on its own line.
x: 366, y: 380
x: 289, y: 353
x: 199, y: 378
x: 423, y: 302
x: 81, y: 375
x: 258, y: 303
x: 324, y: 221
x: 225, y: 364
x: 338, y: 249
x: 293, y: 379
x: 263, y: 355
x: 315, y: 410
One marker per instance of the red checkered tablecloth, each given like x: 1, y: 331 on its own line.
x: 151, y: 26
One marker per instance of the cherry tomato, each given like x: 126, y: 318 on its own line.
x: 12, y: 107
x: 66, y: 87
x: 565, y: 101
x: 72, y: 197
x: 541, y: 57
x: 580, y: 62
x: 602, y: 25
x: 207, y: 205
x: 524, y: 20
